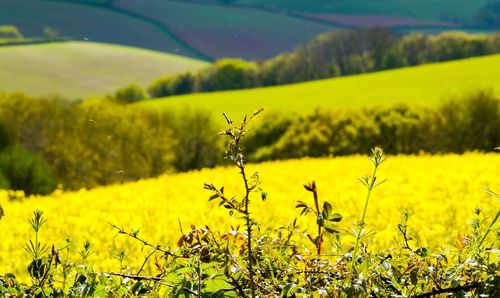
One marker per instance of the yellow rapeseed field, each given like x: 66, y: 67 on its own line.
x: 440, y: 193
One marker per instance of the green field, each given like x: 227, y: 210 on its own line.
x: 82, y: 22
x: 222, y: 31
x: 425, y: 85
x: 421, y: 9
x: 80, y: 69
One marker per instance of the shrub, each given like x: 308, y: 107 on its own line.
x: 10, y: 32
x: 179, y: 84
x: 25, y: 171
x: 4, y: 136
x: 130, y: 93
x: 462, y: 124
x: 99, y: 142
x: 228, y: 74
x: 160, y: 88
x: 196, y: 148
x: 469, y: 123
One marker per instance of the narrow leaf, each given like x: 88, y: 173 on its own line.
x: 336, y: 217
x: 331, y: 230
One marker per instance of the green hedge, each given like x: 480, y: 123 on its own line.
x: 458, y: 125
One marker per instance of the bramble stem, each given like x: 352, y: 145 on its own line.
x: 248, y: 222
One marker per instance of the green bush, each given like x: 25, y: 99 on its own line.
x: 130, y: 93
x: 10, y: 32
x: 462, y: 124
x: 4, y: 136
x: 179, y: 84
x: 228, y: 74
x: 22, y: 170
x: 195, y: 147
x: 101, y: 142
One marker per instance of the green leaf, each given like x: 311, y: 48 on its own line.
x: 327, y: 209
x: 137, y: 287
x: 311, y: 238
x: 37, y: 268
x: 301, y: 204
x: 489, y: 192
x: 331, y: 230
x: 213, y: 197
x: 336, y: 217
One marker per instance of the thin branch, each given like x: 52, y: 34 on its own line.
x: 140, y: 277
x: 146, y: 260
x: 144, y: 242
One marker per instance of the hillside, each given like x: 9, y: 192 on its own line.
x: 193, y: 30
x: 212, y: 29
x: 222, y: 31
x: 436, y: 10
x: 93, y: 23
x: 79, y: 69
x: 426, y: 85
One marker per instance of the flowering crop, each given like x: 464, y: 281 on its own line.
x: 439, y: 193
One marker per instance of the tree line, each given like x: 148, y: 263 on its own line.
x: 468, y: 123
x: 336, y: 53
x: 49, y: 141
x: 95, y: 143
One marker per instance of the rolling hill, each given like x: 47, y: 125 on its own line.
x: 80, y: 69
x: 436, y: 10
x: 193, y: 30
x: 222, y: 31
x: 93, y: 23
x: 212, y: 29
x: 426, y: 85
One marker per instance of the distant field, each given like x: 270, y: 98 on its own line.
x: 425, y: 85
x: 87, y: 22
x: 369, y: 21
x: 250, y: 29
x: 439, y: 192
x: 79, y: 69
x: 222, y: 31
x: 421, y: 9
